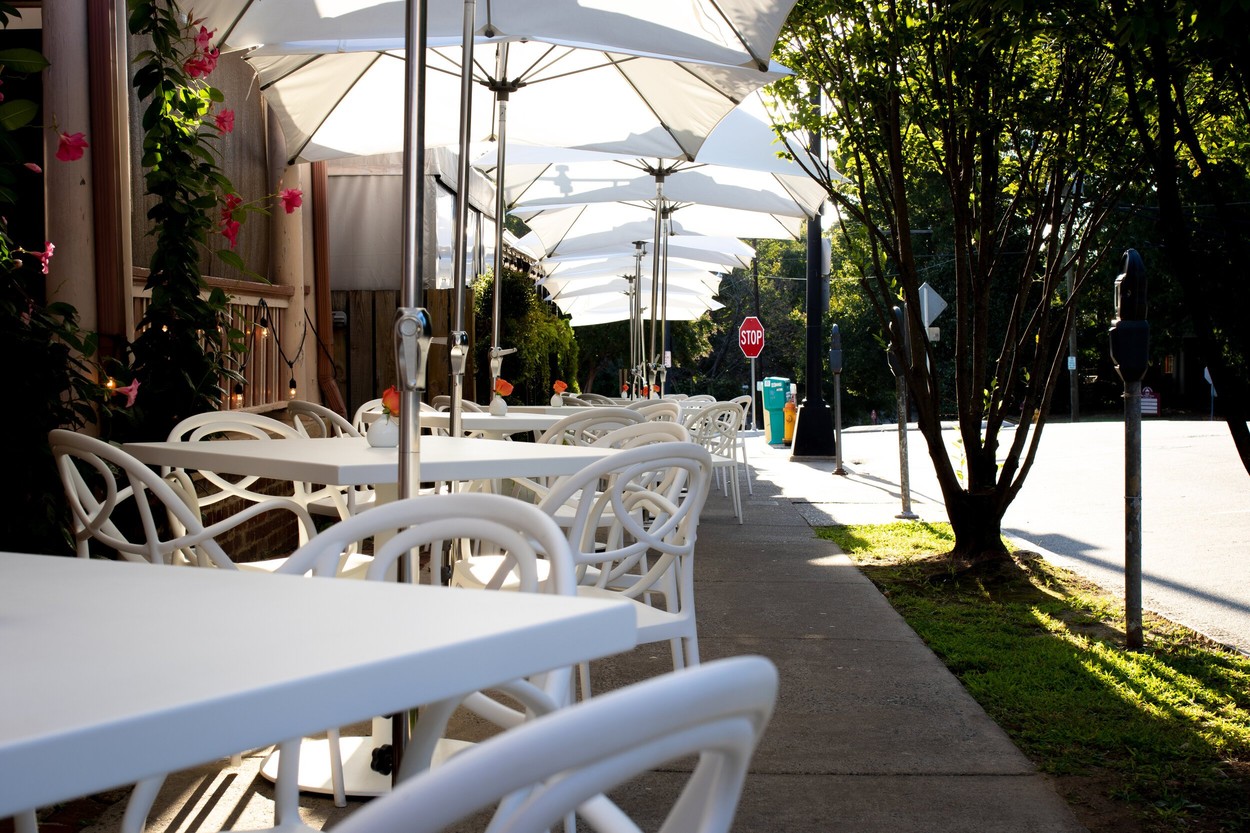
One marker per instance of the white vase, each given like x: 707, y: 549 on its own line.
x: 557, y: 400
x: 498, y: 406
x: 383, y: 433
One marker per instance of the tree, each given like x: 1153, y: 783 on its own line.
x: 1187, y: 75
x: 995, y: 127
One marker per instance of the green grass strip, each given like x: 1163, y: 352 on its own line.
x: 1164, y: 731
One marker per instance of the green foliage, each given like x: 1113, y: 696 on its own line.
x: 1166, y: 729
x: 546, y: 348
x: 182, y: 354
x: 51, y: 359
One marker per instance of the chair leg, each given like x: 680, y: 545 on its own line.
x: 737, y: 496
x: 142, y: 797
x: 337, y: 782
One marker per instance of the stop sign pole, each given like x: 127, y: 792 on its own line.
x: 751, y: 340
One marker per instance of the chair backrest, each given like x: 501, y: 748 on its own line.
x: 575, y: 400
x: 659, y: 409
x: 521, y: 532
x: 651, y: 431
x: 716, y: 427
x: 566, y: 761
x: 237, y: 425
x: 443, y: 403
x: 313, y: 420
x: 134, y: 491
x: 585, y: 428
x: 359, y: 422
x: 517, y: 528
x: 596, y: 398
x: 701, y: 397
x: 636, y: 515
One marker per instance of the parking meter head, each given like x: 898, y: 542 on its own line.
x: 1130, y: 332
x: 900, y: 343
x: 835, y: 350
x: 1130, y: 288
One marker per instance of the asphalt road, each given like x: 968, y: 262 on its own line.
x: 1195, y: 512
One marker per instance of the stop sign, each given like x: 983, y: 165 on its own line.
x: 751, y: 337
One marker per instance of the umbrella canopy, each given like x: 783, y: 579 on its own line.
x: 713, y: 252
x: 610, y: 307
x: 343, y: 104
x: 602, y: 223
x: 619, y: 265
x: 731, y: 32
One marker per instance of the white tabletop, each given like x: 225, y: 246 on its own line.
x: 513, y: 422
x: 114, y: 672
x: 350, y: 461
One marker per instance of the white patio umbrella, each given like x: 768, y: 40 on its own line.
x: 716, y: 252
x: 611, y: 307
x: 730, y: 32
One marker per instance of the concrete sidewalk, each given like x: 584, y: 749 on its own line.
x: 871, y: 732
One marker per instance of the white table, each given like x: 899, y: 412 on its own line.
x: 497, y: 427
x: 351, y: 461
x: 119, y: 671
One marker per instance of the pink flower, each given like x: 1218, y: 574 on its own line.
x: 202, y: 63
x: 203, y: 38
x: 292, y: 198
x: 32, y: 166
x: 45, y: 255
x: 225, y: 121
x: 230, y: 230
x: 130, y: 392
x: 70, y: 147
x: 232, y: 202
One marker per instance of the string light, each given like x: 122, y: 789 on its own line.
x: 111, y: 384
x: 238, y: 395
x: 291, y: 389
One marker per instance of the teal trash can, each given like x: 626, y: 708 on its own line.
x: 776, y: 389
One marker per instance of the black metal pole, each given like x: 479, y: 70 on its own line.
x: 813, y: 427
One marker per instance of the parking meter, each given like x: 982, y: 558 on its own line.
x: 1130, y: 332
x: 835, y: 350
x: 900, y: 342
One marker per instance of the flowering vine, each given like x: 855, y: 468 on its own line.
x: 188, y: 349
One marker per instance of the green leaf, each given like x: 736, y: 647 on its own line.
x: 23, y: 60
x: 230, y: 258
x: 15, y: 114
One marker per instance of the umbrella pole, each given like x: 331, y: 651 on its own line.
x: 635, y: 317
x: 458, y: 339
x: 655, y: 279
x: 412, y: 324
x: 662, y: 370
x: 502, y: 91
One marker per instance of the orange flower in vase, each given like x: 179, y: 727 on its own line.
x: 384, y: 431
x: 498, y: 406
x: 559, y: 387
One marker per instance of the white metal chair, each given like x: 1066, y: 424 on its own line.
x: 740, y: 444
x: 529, y: 543
x: 319, y: 499
x: 359, y: 422
x: 596, y: 398
x: 715, y: 427
x: 632, y: 519
x: 538, y: 773
x: 575, y: 400
x: 586, y: 427
x: 658, y: 409
x: 122, y: 482
x: 313, y: 420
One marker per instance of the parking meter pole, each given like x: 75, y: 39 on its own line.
x: 837, y: 424
x: 1132, y: 516
x: 1130, y: 351
x: 904, y: 475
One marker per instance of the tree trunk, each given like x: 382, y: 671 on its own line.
x: 977, y: 520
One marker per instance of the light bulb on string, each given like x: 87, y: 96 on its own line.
x: 238, y: 395
x: 291, y: 388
